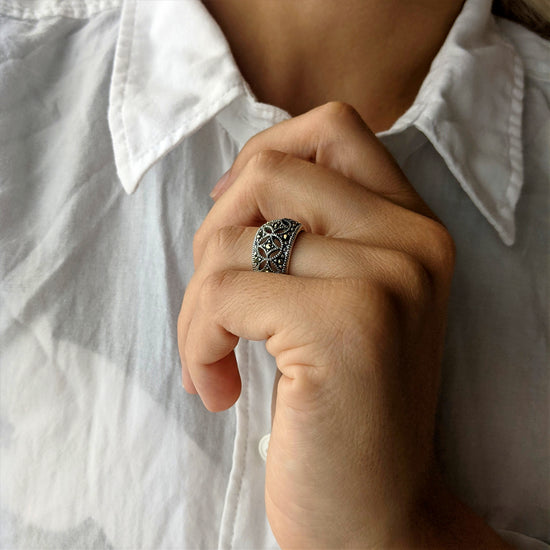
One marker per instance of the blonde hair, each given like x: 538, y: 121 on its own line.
x: 533, y: 14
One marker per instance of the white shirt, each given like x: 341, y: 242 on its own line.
x: 100, y: 447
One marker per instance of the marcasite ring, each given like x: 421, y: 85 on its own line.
x: 273, y: 245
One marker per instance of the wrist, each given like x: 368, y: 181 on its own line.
x: 440, y: 520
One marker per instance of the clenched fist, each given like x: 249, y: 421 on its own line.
x: 356, y: 328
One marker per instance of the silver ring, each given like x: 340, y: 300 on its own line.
x: 273, y: 245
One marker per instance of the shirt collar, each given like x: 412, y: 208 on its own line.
x: 470, y: 108
x: 174, y: 71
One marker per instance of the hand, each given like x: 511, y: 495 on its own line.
x: 356, y: 329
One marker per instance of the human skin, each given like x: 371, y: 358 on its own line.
x: 356, y: 329
x: 301, y: 54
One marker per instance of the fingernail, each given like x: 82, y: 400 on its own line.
x: 221, y: 186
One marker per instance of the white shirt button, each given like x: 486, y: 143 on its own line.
x: 263, y: 445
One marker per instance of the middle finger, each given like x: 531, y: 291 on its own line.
x: 277, y: 185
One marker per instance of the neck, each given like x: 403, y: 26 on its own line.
x: 300, y: 54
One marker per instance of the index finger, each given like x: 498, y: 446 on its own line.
x: 335, y: 136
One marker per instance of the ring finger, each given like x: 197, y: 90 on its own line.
x: 313, y: 256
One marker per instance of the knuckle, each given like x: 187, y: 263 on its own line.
x: 267, y: 161
x: 260, y: 173
x: 417, y: 284
x: 339, y: 115
x: 221, y: 245
x: 339, y: 109
x: 253, y: 145
x: 227, y: 237
x: 212, y: 285
x: 336, y: 123
x: 442, y: 247
x: 403, y: 285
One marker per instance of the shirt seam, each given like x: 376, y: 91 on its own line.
x: 126, y: 79
x: 75, y: 9
x: 515, y: 160
x: 245, y: 453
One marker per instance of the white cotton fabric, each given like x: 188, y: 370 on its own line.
x: 116, y: 119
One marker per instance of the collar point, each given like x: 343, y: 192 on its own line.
x: 127, y: 179
x: 506, y: 231
x: 508, y: 238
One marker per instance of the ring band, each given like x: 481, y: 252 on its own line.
x: 273, y: 245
